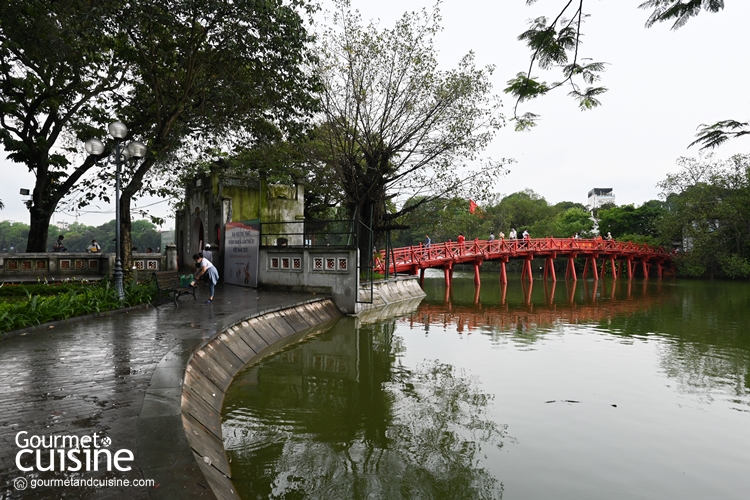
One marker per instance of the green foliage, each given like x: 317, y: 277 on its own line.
x: 78, y: 236
x: 555, y: 45
x: 176, y: 71
x: 443, y: 219
x: 43, y: 288
x: 640, y: 238
x: 521, y: 210
x: 689, y: 265
x: 734, y: 266
x: 708, y: 213
x: 57, y: 69
x: 397, y: 123
x: 716, y: 134
x: 71, y: 300
x: 572, y: 221
x: 628, y: 220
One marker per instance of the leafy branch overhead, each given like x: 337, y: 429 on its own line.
x: 555, y: 46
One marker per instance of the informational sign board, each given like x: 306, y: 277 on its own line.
x: 241, y: 251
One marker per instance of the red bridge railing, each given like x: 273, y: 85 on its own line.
x: 445, y: 255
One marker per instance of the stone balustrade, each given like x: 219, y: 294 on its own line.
x: 25, y: 267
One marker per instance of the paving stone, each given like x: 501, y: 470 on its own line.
x: 92, y: 376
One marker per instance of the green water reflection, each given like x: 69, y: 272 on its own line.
x: 613, y: 390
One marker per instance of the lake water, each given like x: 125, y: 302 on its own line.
x: 626, y: 390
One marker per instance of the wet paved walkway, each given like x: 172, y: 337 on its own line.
x: 91, y: 376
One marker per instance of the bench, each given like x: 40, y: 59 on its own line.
x: 168, y: 284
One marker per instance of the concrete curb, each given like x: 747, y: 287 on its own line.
x: 181, y: 411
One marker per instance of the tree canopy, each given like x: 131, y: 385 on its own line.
x: 218, y: 71
x: 708, y: 212
x: 56, y: 69
x: 394, y: 125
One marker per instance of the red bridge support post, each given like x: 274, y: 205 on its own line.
x: 592, y: 261
x: 503, y: 274
x: 526, y: 273
x: 614, y: 267
x: 570, y: 270
x: 549, y: 268
x: 477, y: 280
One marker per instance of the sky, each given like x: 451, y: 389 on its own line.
x: 662, y: 85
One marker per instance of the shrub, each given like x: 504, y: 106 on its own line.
x: 734, y: 266
x: 80, y: 301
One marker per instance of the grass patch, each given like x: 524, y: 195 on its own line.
x: 29, y: 305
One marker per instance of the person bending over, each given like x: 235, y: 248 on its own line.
x: 208, y: 269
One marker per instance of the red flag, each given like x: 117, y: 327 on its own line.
x: 472, y: 206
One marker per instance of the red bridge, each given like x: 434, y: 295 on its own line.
x: 445, y: 256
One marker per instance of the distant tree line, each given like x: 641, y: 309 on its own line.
x: 13, y: 236
x: 704, y: 217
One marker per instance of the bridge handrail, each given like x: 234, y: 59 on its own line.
x: 487, y: 250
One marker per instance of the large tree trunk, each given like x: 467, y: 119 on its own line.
x: 38, y: 230
x: 366, y: 216
x: 44, y: 201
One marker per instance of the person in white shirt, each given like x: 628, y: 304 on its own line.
x: 208, y: 269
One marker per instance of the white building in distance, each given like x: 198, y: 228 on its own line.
x: 600, y: 196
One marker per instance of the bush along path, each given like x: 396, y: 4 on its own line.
x: 22, y: 306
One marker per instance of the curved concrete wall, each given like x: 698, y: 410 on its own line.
x: 215, y: 363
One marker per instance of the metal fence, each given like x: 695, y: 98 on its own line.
x: 310, y: 234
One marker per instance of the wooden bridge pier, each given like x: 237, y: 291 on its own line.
x: 549, y: 268
x: 613, y: 254
x: 526, y: 272
x: 591, y: 261
x: 570, y: 270
x: 477, y: 264
x: 503, y: 274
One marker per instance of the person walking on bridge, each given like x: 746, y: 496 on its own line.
x: 460, y: 240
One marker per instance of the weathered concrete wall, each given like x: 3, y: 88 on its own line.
x: 331, y: 271
x: 224, y: 196
x: 215, y: 363
x: 394, y: 297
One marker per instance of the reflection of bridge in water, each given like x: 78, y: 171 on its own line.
x: 582, y: 302
x: 620, y: 255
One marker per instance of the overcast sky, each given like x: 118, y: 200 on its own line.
x: 662, y: 85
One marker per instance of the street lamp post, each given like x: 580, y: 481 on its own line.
x: 121, y: 154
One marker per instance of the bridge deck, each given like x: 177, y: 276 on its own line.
x: 446, y: 255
